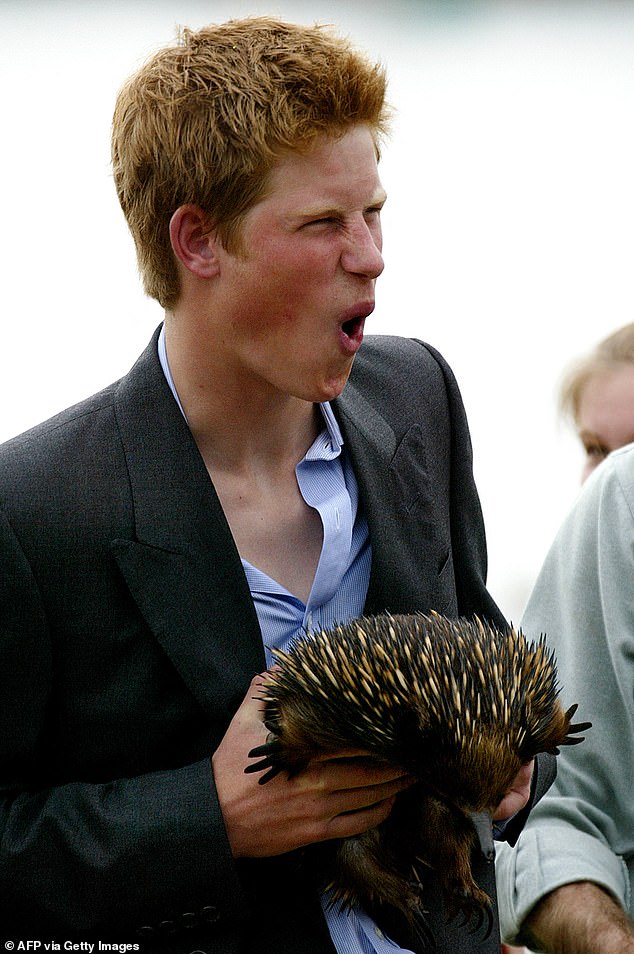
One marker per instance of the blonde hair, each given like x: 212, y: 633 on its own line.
x: 609, y: 355
x: 203, y: 122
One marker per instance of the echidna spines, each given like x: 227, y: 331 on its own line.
x: 452, y: 673
x: 455, y: 703
x: 356, y: 675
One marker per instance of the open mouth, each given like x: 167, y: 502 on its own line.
x: 353, y: 327
x: 351, y: 334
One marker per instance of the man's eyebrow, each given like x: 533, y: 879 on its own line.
x: 334, y: 211
x: 320, y: 211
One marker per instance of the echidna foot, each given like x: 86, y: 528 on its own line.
x: 484, y: 916
x: 271, y: 750
x: 473, y: 911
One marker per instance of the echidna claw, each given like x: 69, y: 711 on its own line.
x: 271, y: 747
x: 574, y: 729
x: 483, y: 916
x: 260, y: 766
x: 270, y: 750
x: 464, y: 918
x: 472, y: 912
x: 269, y: 775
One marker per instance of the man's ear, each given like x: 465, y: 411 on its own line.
x: 193, y: 241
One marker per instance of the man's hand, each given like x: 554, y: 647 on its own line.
x: 579, y: 918
x: 333, y: 797
x: 518, y: 795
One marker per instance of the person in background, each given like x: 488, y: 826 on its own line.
x: 568, y: 885
x: 261, y: 470
x: 598, y: 395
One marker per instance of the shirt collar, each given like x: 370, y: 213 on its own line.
x: 332, y: 427
x: 162, y: 355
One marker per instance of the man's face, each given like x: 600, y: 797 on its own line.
x: 605, y: 417
x: 295, y: 298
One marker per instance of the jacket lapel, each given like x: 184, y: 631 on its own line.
x: 394, y: 488
x: 181, y: 566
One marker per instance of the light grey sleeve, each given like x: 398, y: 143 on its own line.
x: 583, y: 829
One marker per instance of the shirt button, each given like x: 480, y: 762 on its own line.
x: 379, y: 933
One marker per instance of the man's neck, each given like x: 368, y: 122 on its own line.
x: 237, y: 426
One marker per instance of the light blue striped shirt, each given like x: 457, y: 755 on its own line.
x: 326, y: 481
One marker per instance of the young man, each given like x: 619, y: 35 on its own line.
x: 159, y: 539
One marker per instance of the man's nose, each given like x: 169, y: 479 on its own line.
x: 362, y: 255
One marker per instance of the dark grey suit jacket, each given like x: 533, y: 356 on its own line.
x: 128, y: 639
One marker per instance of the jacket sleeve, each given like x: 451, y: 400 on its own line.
x: 584, y: 827
x: 80, y: 857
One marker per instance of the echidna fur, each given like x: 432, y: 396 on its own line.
x: 458, y: 704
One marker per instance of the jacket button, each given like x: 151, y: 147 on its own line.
x: 167, y: 927
x: 146, y: 931
x: 210, y: 914
x: 189, y: 919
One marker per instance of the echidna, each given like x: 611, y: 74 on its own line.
x: 458, y: 704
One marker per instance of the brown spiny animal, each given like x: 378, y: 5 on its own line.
x: 458, y: 704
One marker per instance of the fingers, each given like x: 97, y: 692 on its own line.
x: 361, y: 797
x: 347, y: 754
x: 335, y: 796
x: 348, y: 824
x: 518, y: 795
x: 352, y: 770
x: 347, y: 801
x: 341, y: 814
x: 524, y: 778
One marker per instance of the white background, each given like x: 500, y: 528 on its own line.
x: 508, y: 230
